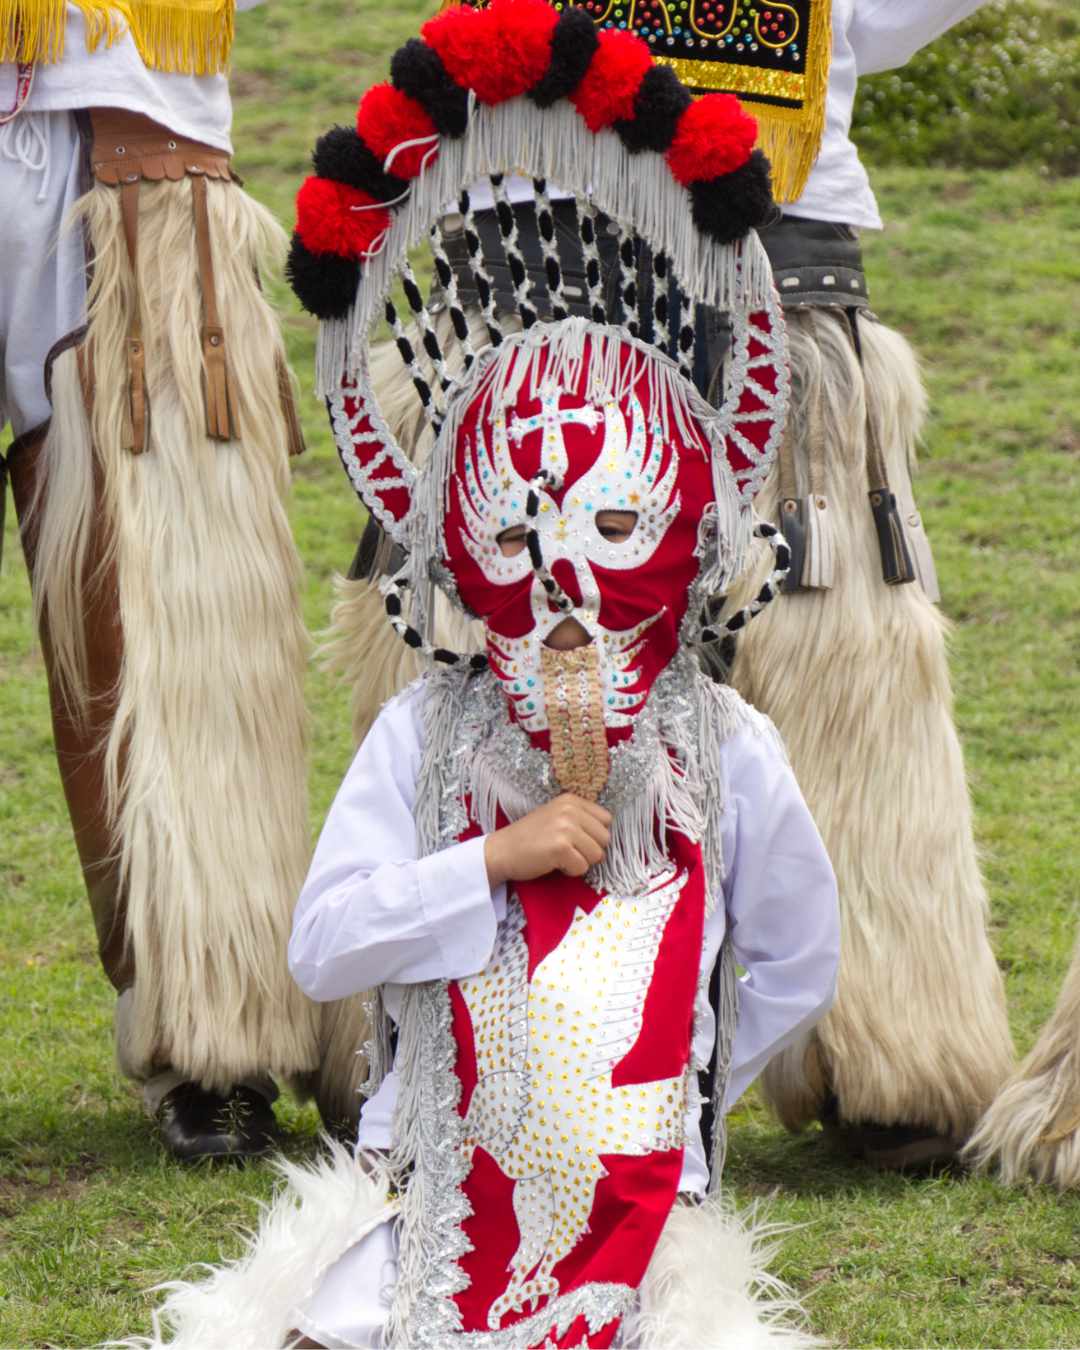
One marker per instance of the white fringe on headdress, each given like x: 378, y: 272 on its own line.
x: 856, y: 679
x: 1033, y: 1127
x: 206, y: 757
x: 556, y: 145
x: 708, y: 1286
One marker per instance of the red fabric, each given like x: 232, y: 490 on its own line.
x: 662, y: 1050
x: 715, y: 136
x: 387, y: 118
x: 632, y: 1205
x: 611, y: 83
x: 327, y: 223
x: 632, y: 1201
x: 549, y: 904
x: 465, y: 1065
x: 500, y: 51
x: 490, y: 1193
x: 660, y: 586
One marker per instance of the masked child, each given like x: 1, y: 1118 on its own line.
x: 544, y: 853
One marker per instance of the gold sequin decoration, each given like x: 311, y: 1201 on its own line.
x: 579, y: 749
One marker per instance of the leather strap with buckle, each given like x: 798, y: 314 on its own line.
x: 127, y: 149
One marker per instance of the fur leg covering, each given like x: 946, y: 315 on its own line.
x: 205, y: 759
x: 856, y: 678
x: 1033, y: 1128
x: 370, y: 656
x: 249, y: 1304
x: 345, y: 1029
x: 709, y: 1286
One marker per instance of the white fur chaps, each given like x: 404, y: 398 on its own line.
x: 856, y: 678
x: 203, y: 746
x: 1033, y: 1128
x: 708, y: 1286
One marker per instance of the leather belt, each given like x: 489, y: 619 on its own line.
x: 128, y: 148
x: 815, y: 262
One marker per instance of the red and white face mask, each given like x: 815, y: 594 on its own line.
x: 588, y: 456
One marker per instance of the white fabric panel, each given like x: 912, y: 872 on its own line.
x: 781, y: 900
x: 369, y: 910
x: 351, y: 1304
x: 43, y: 277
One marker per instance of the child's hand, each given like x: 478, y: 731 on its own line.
x: 566, y: 835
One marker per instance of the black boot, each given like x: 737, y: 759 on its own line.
x: 197, y: 1124
x: 917, y: 1149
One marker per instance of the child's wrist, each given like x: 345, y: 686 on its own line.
x: 494, y: 860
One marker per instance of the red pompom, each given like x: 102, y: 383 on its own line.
x: 611, y: 83
x: 714, y: 136
x: 388, y: 118
x: 499, y: 52
x: 327, y: 223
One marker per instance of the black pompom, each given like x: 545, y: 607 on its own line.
x: 726, y: 208
x: 661, y: 100
x: 574, y: 40
x: 343, y: 156
x: 417, y: 70
x: 325, y: 284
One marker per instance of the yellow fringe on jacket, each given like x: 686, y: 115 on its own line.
x: 789, y: 135
x: 188, y: 37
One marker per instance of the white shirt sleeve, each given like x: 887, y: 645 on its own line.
x: 886, y: 34
x: 371, y: 912
x: 782, y: 908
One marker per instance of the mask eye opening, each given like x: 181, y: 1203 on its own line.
x: 616, y: 527
x: 511, y: 541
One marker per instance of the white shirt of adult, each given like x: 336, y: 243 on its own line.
x: 43, y: 267
x: 372, y: 913
x: 869, y: 36
x: 195, y: 106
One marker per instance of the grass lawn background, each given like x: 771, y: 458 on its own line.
x: 980, y: 269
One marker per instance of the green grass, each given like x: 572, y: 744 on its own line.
x: 1000, y: 89
x: 980, y: 270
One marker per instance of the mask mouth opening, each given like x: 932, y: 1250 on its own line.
x: 569, y: 634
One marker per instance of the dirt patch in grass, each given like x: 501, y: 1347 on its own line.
x: 46, y: 1183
